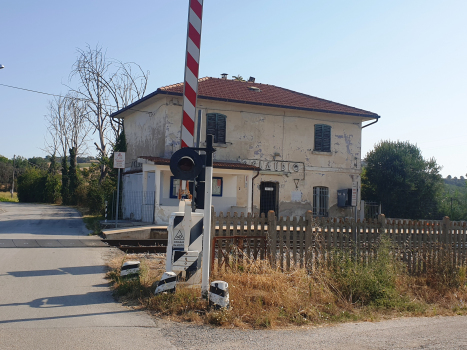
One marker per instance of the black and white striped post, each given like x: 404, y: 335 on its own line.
x: 167, y: 283
x: 184, y: 244
x: 130, y: 269
x: 219, y: 295
x: 106, y: 211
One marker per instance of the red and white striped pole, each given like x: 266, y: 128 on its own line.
x: 190, y: 86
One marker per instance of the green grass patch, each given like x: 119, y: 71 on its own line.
x: 93, y: 224
x: 6, y: 197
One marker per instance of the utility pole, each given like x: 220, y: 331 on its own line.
x: 13, y: 183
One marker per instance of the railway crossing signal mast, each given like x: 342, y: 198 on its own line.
x: 187, y: 164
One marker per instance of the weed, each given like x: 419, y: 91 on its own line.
x: 346, y: 289
x: 93, y: 224
x: 6, y: 197
x: 366, y: 283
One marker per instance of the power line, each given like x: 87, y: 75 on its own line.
x: 66, y: 97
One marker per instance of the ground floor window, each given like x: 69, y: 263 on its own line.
x: 217, y: 187
x: 320, y: 201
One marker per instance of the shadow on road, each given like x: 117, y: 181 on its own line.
x: 67, y: 316
x: 91, y: 298
x: 76, y: 271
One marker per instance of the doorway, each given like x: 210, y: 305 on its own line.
x: 269, y: 197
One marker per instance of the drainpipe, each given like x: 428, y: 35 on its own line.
x: 371, y: 123
x: 253, y: 191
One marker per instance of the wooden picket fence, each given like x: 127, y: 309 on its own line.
x: 308, y: 242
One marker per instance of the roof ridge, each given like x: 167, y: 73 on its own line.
x: 321, y: 99
x: 181, y: 84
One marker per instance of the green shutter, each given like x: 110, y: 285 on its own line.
x: 211, y: 125
x: 216, y: 125
x: 221, y: 125
x: 326, y: 146
x: 322, y: 138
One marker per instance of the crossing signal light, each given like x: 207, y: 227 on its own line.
x: 186, y: 164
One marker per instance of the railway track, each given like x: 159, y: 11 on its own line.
x: 139, y: 245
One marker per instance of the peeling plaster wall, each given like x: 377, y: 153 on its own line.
x: 145, y: 131
x: 255, y: 132
x: 258, y: 132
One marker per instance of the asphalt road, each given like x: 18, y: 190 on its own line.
x: 53, y: 295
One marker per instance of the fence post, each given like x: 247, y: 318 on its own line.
x: 272, y: 237
x: 308, y: 236
x: 445, y: 230
x: 382, y: 224
x: 446, y: 240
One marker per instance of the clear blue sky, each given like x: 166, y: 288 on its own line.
x: 405, y: 60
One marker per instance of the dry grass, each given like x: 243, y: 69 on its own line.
x: 263, y: 297
x: 6, y: 197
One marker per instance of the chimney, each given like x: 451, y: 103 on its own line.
x: 224, y: 76
x: 251, y: 80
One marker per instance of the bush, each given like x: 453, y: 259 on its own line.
x: 31, y: 186
x: 53, y: 188
x: 95, y: 199
x: 35, y: 185
x: 372, y: 283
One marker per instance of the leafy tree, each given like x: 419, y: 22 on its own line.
x: 73, y: 181
x: 53, y: 167
x: 453, y: 203
x: 65, y: 192
x: 31, y: 185
x: 38, y: 162
x: 238, y: 77
x: 406, y: 184
x: 6, y: 172
x: 53, y: 184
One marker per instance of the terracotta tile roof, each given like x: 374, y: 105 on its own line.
x: 263, y: 94
x: 219, y: 165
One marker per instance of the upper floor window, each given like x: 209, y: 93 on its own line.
x: 216, y: 124
x: 320, y: 201
x: 322, y: 138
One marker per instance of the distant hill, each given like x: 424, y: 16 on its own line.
x: 454, y: 181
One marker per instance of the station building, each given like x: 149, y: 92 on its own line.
x: 276, y: 149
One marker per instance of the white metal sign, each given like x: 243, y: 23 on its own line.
x: 185, y: 261
x: 296, y: 196
x: 179, y: 240
x: 119, y: 160
x: 354, y: 194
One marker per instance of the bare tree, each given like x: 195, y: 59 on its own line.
x: 78, y: 125
x: 57, y: 123
x: 107, y: 85
x: 68, y: 126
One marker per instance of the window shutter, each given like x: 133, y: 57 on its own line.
x: 322, y: 138
x: 318, y: 137
x: 326, y: 145
x: 221, y: 126
x: 211, y: 125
